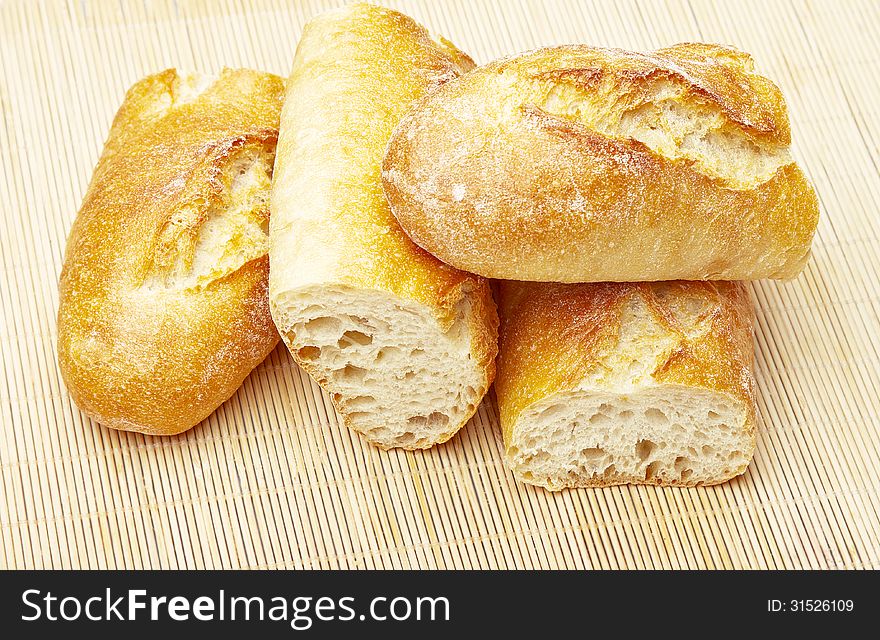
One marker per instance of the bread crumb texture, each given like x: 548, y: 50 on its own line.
x: 394, y: 373
x: 610, y: 384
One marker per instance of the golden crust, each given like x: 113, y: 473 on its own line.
x: 554, y: 336
x: 137, y: 353
x: 726, y: 77
x: 369, y: 249
x: 530, y: 168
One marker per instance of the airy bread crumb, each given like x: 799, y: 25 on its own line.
x: 661, y: 434
x: 392, y: 371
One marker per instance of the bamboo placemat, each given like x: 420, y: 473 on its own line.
x: 272, y: 479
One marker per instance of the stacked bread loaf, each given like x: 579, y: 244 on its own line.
x: 636, y: 187
x: 616, y: 199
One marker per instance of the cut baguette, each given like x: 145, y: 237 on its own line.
x: 626, y: 383
x: 404, y: 344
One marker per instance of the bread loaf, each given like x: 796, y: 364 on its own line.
x: 577, y: 164
x: 163, y: 295
x: 648, y: 383
x: 404, y: 344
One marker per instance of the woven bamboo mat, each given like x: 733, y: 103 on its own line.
x: 273, y: 480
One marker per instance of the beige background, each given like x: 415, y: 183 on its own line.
x: 273, y: 480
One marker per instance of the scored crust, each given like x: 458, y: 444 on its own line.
x: 578, y: 164
x: 163, y: 294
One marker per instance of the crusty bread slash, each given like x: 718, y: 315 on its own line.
x: 163, y: 295
x: 647, y: 383
x: 404, y: 344
x: 577, y: 164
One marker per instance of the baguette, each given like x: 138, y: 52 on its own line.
x: 576, y: 164
x: 404, y: 344
x: 646, y: 383
x: 163, y: 294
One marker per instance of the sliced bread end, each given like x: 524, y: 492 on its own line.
x: 392, y: 372
x: 663, y: 435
